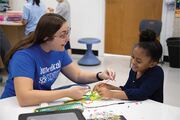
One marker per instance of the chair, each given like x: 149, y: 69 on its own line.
x: 89, y: 59
x: 154, y: 25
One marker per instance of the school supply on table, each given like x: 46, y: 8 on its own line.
x: 66, y: 106
x: 74, y: 114
x: 14, y: 15
x: 106, y: 105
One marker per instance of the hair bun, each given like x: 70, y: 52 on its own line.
x: 147, y: 36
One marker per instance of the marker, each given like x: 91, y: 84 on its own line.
x: 107, y: 105
x: 110, y: 104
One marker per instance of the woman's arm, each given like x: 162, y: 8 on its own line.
x: 74, y: 73
x: 27, y: 96
x: 77, y: 75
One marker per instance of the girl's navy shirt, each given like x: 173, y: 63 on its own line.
x: 148, y: 86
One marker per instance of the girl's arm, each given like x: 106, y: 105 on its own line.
x: 119, y: 94
x: 108, y: 94
x: 27, y: 96
x: 108, y: 86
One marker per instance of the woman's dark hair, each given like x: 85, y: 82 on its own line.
x: 47, y: 26
x: 36, y: 2
x: 148, y: 41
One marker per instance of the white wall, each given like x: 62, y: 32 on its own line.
x: 168, y: 24
x: 87, y: 17
x: 176, y: 32
x: 15, y: 5
x: 88, y: 20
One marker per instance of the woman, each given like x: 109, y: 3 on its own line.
x: 32, y: 11
x: 63, y: 9
x: 35, y: 63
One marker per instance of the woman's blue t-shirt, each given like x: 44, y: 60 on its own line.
x: 42, y: 67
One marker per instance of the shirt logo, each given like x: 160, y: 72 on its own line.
x: 49, y: 74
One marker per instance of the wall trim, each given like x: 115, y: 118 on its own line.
x: 82, y: 51
x: 165, y: 58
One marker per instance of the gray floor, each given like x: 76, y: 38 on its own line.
x: 121, y: 65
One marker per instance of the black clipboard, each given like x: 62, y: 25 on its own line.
x: 74, y: 114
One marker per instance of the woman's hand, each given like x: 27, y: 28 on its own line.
x: 77, y: 92
x: 108, y: 74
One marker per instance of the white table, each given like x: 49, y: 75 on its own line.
x: 145, y: 110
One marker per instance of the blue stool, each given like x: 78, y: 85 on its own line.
x: 89, y: 59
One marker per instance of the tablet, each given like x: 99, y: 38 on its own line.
x: 74, y: 114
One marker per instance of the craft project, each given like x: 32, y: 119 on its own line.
x: 92, y: 95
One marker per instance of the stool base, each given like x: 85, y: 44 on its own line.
x: 89, y: 59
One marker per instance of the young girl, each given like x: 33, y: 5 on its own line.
x: 145, y: 77
x: 35, y: 63
x: 63, y: 9
x: 32, y: 11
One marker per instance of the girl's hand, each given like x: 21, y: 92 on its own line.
x: 105, y: 85
x: 104, y: 93
x: 108, y: 74
x: 98, y: 86
x: 77, y: 92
